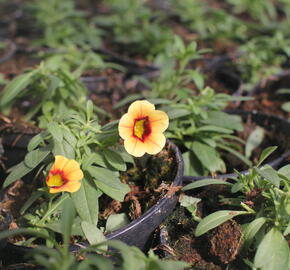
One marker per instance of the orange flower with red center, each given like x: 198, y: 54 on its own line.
x: 142, y: 129
x: 64, y: 175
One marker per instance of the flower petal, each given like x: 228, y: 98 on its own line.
x: 126, y: 125
x: 69, y: 187
x: 140, y: 108
x: 158, y: 121
x: 75, y: 175
x: 70, y: 166
x: 134, y: 147
x: 59, y: 163
x: 155, y: 143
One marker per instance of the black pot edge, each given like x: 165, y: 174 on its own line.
x: 274, y: 163
x: 176, y: 182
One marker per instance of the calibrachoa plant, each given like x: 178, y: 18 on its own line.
x: 142, y: 129
x: 82, y: 160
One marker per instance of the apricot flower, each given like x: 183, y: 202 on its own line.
x: 64, y: 175
x: 142, y: 129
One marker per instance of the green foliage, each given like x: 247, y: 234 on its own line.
x: 120, y: 256
x: 197, y: 124
x: 135, y: 27
x: 76, y: 136
x: 209, y: 22
x: 263, y: 194
x: 262, y: 56
x: 63, y: 25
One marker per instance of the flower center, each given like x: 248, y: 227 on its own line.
x: 55, y: 180
x: 142, y: 128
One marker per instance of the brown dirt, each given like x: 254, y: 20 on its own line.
x: 226, y: 241
x: 267, y: 100
x: 148, y: 184
x: 212, y: 251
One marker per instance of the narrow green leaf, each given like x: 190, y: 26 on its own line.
x: 116, y: 221
x: 67, y: 217
x: 224, y: 120
x: 273, y: 252
x: 235, y: 153
x: 35, y: 157
x: 251, y: 230
x: 30, y: 201
x: 35, y: 141
x: 127, y: 100
x: 269, y: 174
x: 266, y: 152
x: 55, y: 131
x: 92, y: 233
x: 17, y: 172
x: 285, y: 170
x: 86, y: 202
x: 205, y: 182
x: 114, y: 159
x: 215, y: 219
x: 109, y: 183
x: 177, y: 113
x: 254, y: 140
x: 14, y: 88
x: 208, y: 156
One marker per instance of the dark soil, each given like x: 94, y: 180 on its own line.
x: 265, y: 96
x: 216, y: 250
x: 148, y: 182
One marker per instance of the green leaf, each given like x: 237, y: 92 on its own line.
x: 273, y: 252
x: 269, y: 174
x: 286, y: 106
x: 205, y: 182
x: 30, y: 201
x: 236, y: 153
x: 55, y: 131
x: 251, y: 230
x: 35, y: 141
x: 285, y: 170
x: 92, y: 233
x: 35, y: 157
x: 67, y: 216
x: 127, y: 100
x: 114, y: 159
x: 224, y: 120
x: 86, y: 202
x: 266, y: 152
x: 254, y: 140
x: 212, y: 128
x: 177, y: 113
x: 109, y: 183
x: 215, y: 219
x: 17, y: 172
x: 89, y: 109
x: 14, y: 88
x: 208, y: 156
x: 116, y: 221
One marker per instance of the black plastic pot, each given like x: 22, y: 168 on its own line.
x: 136, y: 233
x: 277, y: 125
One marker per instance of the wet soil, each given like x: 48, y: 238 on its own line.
x: 216, y: 250
x: 149, y: 180
x: 266, y: 99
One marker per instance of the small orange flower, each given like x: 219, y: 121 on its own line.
x: 64, y: 175
x: 142, y: 129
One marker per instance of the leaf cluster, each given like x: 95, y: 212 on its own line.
x: 263, y: 195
